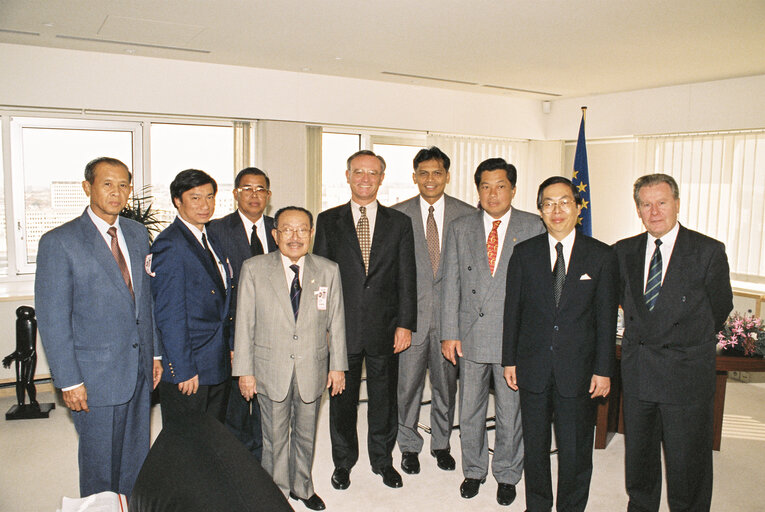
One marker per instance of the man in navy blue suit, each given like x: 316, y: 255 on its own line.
x: 191, y: 285
x: 95, y: 318
x: 243, y: 234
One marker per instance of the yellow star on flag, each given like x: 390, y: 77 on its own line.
x: 582, y: 187
x: 585, y: 203
x: 573, y: 177
x: 579, y: 221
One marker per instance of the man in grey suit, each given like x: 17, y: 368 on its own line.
x: 476, y: 255
x: 431, y: 212
x: 290, y: 346
x: 94, y: 311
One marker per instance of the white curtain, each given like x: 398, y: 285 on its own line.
x: 722, y: 190
x: 467, y: 152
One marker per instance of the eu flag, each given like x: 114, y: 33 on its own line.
x: 581, y: 180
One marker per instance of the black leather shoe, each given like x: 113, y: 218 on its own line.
x: 469, y: 487
x: 314, y: 502
x: 444, y: 460
x: 505, y: 494
x: 410, y: 463
x: 390, y: 476
x: 341, y: 478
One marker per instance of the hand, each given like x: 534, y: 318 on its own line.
x: 76, y: 399
x: 599, y: 386
x: 449, y: 348
x: 232, y: 357
x: 189, y: 387
x: 401, y: 340
x: 247, y: 386
x: 336, y: 380
x: 157, y: 372
x: 510, y: 378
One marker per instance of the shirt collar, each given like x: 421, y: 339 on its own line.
x: 194, y: 230
x: 248, y: 223
x: 100, y: 223
x: 667, y: 240
x: 288, y: 262
x: 438, y: 206
x: 371, y: 207
x: 488, y: 220
x: 567, y: 242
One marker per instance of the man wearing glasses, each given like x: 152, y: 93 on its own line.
x: 290, y: 346
x: 243, y: 234
x: 558, y: 344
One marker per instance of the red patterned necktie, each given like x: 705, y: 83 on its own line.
x: 117, y: 253
x: 491, y: 245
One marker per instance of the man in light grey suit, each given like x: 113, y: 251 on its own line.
x: 94, y: 312
x: 289, y: 347
x: 476, y: 255
x: 431, y: 212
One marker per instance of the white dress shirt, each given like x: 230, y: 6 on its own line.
x: 198, y: 235
x: 289, y: 274
x: 103, y: 227
x: 438, y: 214
x: 568, y: 244
x: 260, y: 226
x: 667, y: 244
x: 371, y: 216
x: 488, y: 223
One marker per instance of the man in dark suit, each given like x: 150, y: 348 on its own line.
x: 191, y: 287
x: 431, y: 212
x: 94, y: 312
x: 676, y: 294
x: 374, y: 247
x: 476, y: 255
x: 558, y: 345
x: 243, y: 234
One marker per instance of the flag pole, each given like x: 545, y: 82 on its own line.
x: 584, y: 113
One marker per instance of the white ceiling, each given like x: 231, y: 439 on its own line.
x: 555, y: 48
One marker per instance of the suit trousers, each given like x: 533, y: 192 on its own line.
x: 574, y: 419
x: 243, y: 420
x: 382, y: 378
x: 686, y: 431
x: 289, y: 439
x: 114, y: 441
x: 507, y: 464
x: 210, y: 399
x: 412, y: 365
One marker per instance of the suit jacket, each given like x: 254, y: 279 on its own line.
x: 384, y: 299
x: 234, y: 240
x: 668, y: 354
x: 190, y: 307
x: 272, y: 345
x: 473, y: 301
x: 429, y: 287
x: 571, y: 341
x: 91, y: 329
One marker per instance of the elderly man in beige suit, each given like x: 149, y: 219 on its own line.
x: 289, y: 347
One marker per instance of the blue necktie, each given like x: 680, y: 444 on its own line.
x: 653, y: 285
x: 295, y: 290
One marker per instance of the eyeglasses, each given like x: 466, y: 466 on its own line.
x: 301, y: 232
x: 252, y: 190
x: 565, y: 205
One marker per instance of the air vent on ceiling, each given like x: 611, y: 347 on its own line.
x: 131, y: 43
x: 19, y: 32
x: 519, y: 90
x: 461, y: 82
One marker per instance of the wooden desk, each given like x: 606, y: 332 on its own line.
x: 610, y: 417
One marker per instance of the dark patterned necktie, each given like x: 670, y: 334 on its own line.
x: 559, y: 273
x: 431, y: 235
x: 256, y: 247
x: 365, y: 241
x: 214, y: 261
x: 118, y: 256
x: 653, y: 284
x: 295, y: 290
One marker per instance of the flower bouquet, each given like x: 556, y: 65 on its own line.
x: 742, y: 335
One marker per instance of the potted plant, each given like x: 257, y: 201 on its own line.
x: 742, y: 335
x: 140, y: 210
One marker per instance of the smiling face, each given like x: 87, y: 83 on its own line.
x: 431, y: 178
x: 365, y: 177
x: 559, y: 210
x: 197, y: 205
x: 109, y: 191
x: 495, y: 192
x: 253, y: 197
x: 293, y: 234
x: 658, y: 208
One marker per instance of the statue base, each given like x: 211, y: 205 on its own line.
x: 29, y: 411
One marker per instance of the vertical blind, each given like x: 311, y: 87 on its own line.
x: 722, y: 190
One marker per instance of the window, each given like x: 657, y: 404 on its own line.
x: 48, y: 166
x: 175, y: 147
x: 722, y: 185
x: 397, y: 185
x: 335, y: 150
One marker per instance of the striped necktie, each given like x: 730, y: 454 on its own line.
x: 295, y: 290
x: 653, y: 284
